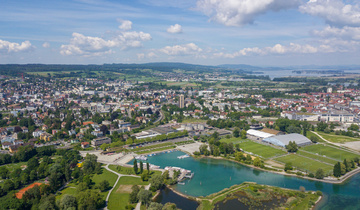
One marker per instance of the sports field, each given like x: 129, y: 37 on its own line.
x: 329, y: 151
x: 317, y: 157
x: 260, y: 149
x: 305, y: 164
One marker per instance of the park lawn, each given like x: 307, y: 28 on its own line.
x: 128, y: 180
x: 12, y: 166
x: 123, y: 169
x: 337, y: 138
x: 120, y: 200
x: 105, y: 175
x: 305, y: 164
x: 330, y: 151
x: 317, y: 157
x: 260, y: 149
x: 67, y: 190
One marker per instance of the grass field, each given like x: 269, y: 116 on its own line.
x: 337, y: 138
x: 123, y: 170
x: 105, y: 175
x: 12, y: 166
x: 120, y: 200
x: 305, y: 164
x: 193, y: 120
x: 317, y: 157
x: 329, y: 151
x: 256, y: 148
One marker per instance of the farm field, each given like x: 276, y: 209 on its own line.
x: 329, y: 151
x: 305, y: 164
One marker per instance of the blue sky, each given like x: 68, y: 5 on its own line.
x: 255, y: 32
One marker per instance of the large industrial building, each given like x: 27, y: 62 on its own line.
x: 257, y: 135
x: 284, y: 140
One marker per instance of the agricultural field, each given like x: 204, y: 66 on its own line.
x: 337, y: 138
x: 305, y: 164
x: 330, y: 151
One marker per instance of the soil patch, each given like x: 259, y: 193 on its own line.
x: 124, y: 189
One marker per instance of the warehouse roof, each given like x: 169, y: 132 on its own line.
x: 285, y: 139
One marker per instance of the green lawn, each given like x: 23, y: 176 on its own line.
x: 233, y: 140
x: 329, y: 151
x: 193, y: 120
x: 317, y: 157
x: 12, y: 166
x: 120, y: 200
x: 337, y: 138
x: 67, y: 190
x: 123, y: 170
x: 105, y: 175
x: 257, y: 148
x: 305, y: 164
x: 128, y: 180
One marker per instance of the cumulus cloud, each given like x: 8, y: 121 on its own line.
x: 125, y: 25
x: 175, y: 29
x: 277, y: 49
x: 9, y: 47
x: 335, y: 12
x: 348, y: 33
x: 46, y: 45
x: 241, y: 12
x: 185, y: 49
x: 94, y: 46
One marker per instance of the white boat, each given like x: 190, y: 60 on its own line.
x: 183, y: 156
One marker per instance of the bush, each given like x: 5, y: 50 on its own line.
x: 311, y: 175
x: 319, y: 193
x: 299, y: 173
x: 319, y: 174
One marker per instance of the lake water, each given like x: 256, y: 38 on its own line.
x: 214, y: 175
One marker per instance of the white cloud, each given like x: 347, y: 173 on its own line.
x: 277, y: 49
x: 346, y: 32
x: 94, y: 46
x: 241, y: 12
x: 9, y: 47
x: 186, y: 49
x: 46, y: 45
x: 335, y: 12
x: 125, y: 25
x: 175, y: 29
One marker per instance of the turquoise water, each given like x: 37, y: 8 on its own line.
x: 214, y: 175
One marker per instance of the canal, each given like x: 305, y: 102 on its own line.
x: 213, y: 175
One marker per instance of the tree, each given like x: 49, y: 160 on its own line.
x: 353, y: 127
x: 292, y: 147
x: 90, y: 199
x: 4, y: 172
x: 144, y: 176
x: 68, y: 202
x: 204, y: 150
x: 288, y: 166
x: 314, y: 139
x: 148, y: 167
x: 144, y: 196
x: 155, y: 206
x: 257, y: 162
x: 141, y: 167
x: 236, y: 132
x: 319, y: 174
x: 337, y: 169
x: 343, y: 168
x: 133, y: 198
x: 104, y: 185
x: 135, y: 167
x: 243, y: 134
x: 156, y: 182
x: 321, y: 126
x: 47, y: 202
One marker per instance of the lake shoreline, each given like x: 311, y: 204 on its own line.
x: 340, y: 180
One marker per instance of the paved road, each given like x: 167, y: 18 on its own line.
x: 119, y: 176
